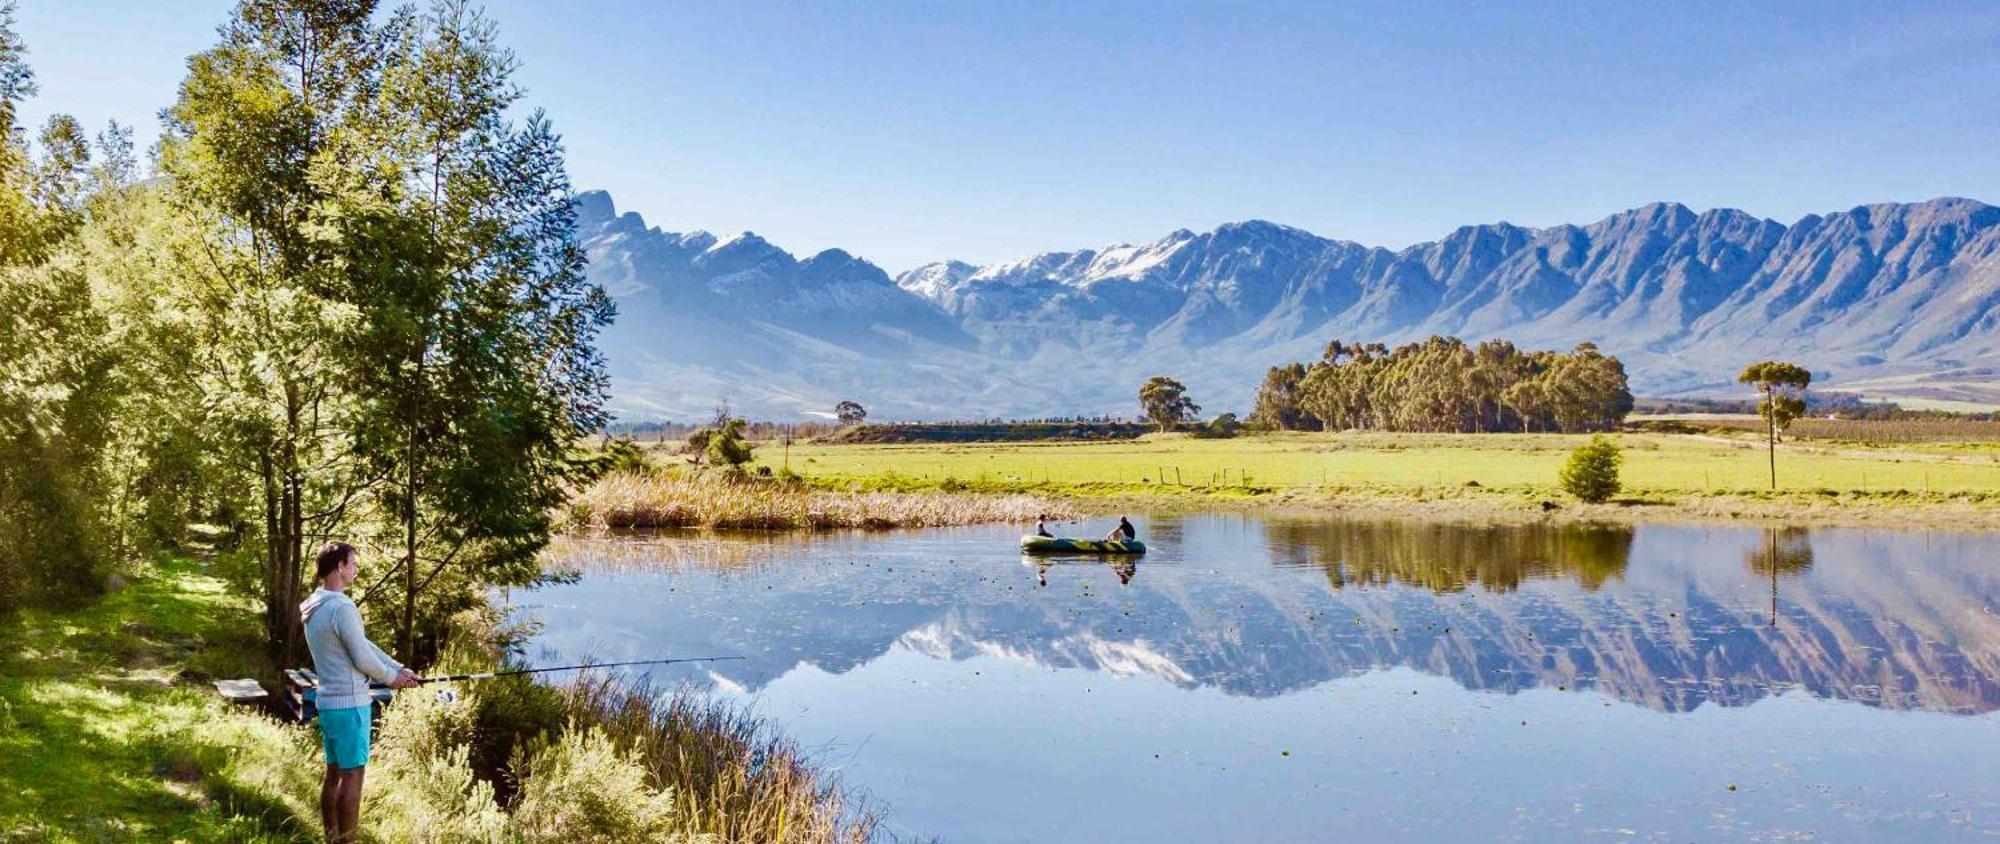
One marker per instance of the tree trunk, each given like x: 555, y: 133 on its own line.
x: 292, y: 511
x: 291, y: 643
x: 406, y: 638
x: 273, y: 558
x: 1771, y: 435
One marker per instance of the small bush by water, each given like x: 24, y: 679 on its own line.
x: 1592, y: 471
x: 719, y: 500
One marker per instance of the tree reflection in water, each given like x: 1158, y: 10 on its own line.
x: 1453, y: 558
x: 1786, y: 550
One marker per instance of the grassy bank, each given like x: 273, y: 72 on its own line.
x: 712, y: 500
x: 96, y: 708
x: 111, y: 733
x: 1710, y: 474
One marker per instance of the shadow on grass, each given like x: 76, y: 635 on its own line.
x: 92, y: 704
x: 1643, y: 501
x: 205, y: 766
x: 92, y: 767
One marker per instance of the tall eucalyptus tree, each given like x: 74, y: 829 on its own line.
x: 476, y: 369
x: 250, y: 161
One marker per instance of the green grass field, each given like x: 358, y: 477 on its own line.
x: 94, y: 706
x: 1654, y: 463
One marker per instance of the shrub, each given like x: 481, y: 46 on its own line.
x: 623, y: 454
x: 727, y: 447
x: 511, y: 713
x: 1592, y: 471
x: 422, y: 776
x: 696, y: 448
x: 1220, y: 428
x: 580, y: 788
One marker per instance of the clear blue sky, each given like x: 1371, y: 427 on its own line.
x: 910, y: 132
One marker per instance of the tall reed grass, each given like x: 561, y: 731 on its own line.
x: 509, y: 761
x: 729, y: 776
x: 655, y: 500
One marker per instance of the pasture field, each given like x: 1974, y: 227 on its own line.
x: 1689, y: 473
x: 1653, y: 463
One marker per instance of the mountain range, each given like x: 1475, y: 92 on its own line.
x: 1896, y: 300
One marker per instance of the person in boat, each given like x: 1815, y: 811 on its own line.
x: 1124, y: 569
x: 1042, y: 526
x: 1124, y: 532
x: 345, y: 661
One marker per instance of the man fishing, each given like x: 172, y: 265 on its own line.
x: 345, y: 660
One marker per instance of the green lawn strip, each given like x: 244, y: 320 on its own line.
x: 109, y: 734
x: 1506, y: 471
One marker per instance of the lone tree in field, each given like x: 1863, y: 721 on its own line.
x: 850, y: 412
x: 1165, y: 401
x: 1783, y: 386
x: 1592, y: 471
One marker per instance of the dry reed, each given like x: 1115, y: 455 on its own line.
x: 656, y: 500
x: 731, y: 778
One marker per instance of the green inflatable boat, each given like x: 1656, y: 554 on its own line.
x: 1033, y: 544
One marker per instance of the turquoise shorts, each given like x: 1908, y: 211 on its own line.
x: 344, y: 734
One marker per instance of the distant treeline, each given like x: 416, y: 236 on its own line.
x: 1444, y: 385
x: 988, y: 430
x: 1832, y: 405
x: 678, y: 431
x: 1015, y: 431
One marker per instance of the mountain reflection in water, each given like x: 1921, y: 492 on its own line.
x: 1668, y: 617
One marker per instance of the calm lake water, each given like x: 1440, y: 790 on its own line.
x: 1279, y: 680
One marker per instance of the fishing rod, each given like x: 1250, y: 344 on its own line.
x: 488, y: 675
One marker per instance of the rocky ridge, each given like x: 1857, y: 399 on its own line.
x: 1900, y: 300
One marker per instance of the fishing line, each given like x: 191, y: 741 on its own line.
x: 449, y: 696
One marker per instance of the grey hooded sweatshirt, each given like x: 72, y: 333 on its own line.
x: 342, y: 656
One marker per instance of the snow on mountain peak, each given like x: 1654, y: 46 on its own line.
x: 1132, y: 263
x: 748, y: 241
x: 933, y: 281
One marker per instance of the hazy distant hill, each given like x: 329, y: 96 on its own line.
x: 1896, y: 299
